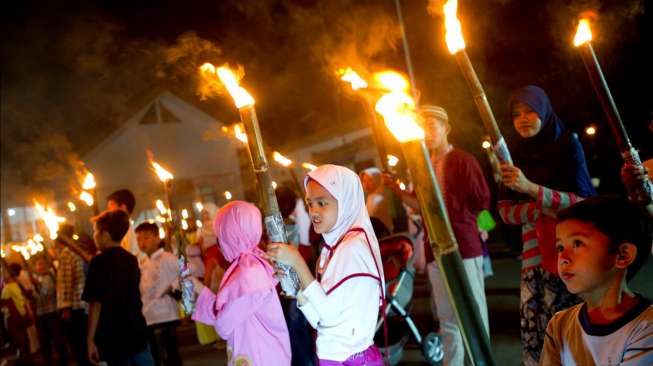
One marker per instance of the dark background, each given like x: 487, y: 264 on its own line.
x: 73, y: 71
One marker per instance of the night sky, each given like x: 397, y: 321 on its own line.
x: 71, y: 73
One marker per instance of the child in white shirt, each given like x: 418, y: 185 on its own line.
x: 342, y: 303
x: 602, y: 243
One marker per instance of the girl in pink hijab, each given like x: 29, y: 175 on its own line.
x: 246, y: 311
x: 342, y: 300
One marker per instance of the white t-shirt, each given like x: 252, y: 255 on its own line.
x: 159, y: 274
x: 346, y: 317
x: 572, y: 340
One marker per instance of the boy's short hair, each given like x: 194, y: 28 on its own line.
x: 287, y: 199
x: 116, y: 223
x: 620, y: 220
x: 14, y: 270
x: 148, y: 226
x: 66, y: 229
x: 123, y: 197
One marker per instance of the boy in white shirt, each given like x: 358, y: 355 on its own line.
x: 159, y: 293
x: 602, y: 242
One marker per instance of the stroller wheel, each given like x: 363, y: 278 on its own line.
x: 432, y: 348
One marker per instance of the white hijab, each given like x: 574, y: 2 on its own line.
x: 345, y: 186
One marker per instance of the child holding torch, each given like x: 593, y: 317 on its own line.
x: 342, y: 303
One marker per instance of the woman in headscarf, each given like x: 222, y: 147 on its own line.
x: 342, y: 301
x: 549, y: 174
x: 246, y: 310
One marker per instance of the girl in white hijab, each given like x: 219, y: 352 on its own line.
x: 342, y: 300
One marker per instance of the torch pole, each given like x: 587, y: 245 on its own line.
x: 483, y: 106
x: 445, y: 250
x: 186, y: 287
x: 644, y: 193
x: 399, y: 218
x: 268, y: 200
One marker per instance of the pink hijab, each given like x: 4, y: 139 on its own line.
x: 238, y: 226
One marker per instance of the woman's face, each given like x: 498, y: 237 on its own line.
x: 322, y: 207
x: 527, y: 122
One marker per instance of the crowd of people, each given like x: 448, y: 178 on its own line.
x: 115, y: 297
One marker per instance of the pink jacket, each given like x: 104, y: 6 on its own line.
x: 246, y: 311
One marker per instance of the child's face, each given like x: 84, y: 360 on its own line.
x: 526, y: 121
x: 322, y: 207
x: 147, y: 241
x: 585, y: 263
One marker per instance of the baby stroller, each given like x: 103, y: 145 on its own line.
x: 397, y: 256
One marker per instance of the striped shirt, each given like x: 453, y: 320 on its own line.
x: 70, y: 280
x: 531, y: 215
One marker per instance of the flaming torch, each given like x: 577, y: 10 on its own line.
x: 89, y: 186
x: 273, y: 219
x: 182, y: 260
x: 287, y: 163
x: 643, y: 193
x: 50, y: 219
x: 398, y: 111
x: 456, y: 45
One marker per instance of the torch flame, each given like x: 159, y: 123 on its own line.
x: 89, y: 181
x: 199, y: 206
x: 391, y: 80
x: 583, y: 33
x: 198, y: 223
x: 240, y: 134
x: 241, y: 97
x: 86, y: 198
x: 392, y: 160
x: 398, y: 111
x: 227, y: 195
x: 184, y: 224
x: 352, y: 77
x: 454, y: 32
x: 309, y: 166
x: 38, y: 238
x: 50, y: 219
x: 72, y: 207
x: 486, y: 144
x: 163, y: 174
x: 281, y: 159
x: 162, y: 233
x: 161, y: 207
x: 184, y: 213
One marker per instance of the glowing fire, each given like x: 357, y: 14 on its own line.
x: 281, y: 159
x: 241, y: 97
x: 391, y: 80
x: 184, y: 224
x: 72, y: 207
x: 86, y: 198
x: 454, y: 32
x: 161, y: 207
x: 199, y: 206
x: 198, y: 223
x: 309, y: 166
x: 50, y: 219
x: 350, y: 76
x: 274, y: 185
x: 486, y: 144
x: 402, y: 186
x: 163, y: 174
x: 162, y: 233
x: 227, y: 195
x: 392, y: 160
x: 583, y: 33
x: 240, y: 133
x: 89, y: 181
x: 184, y: 213
x: 37, y: 237
x: 398, y: 111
